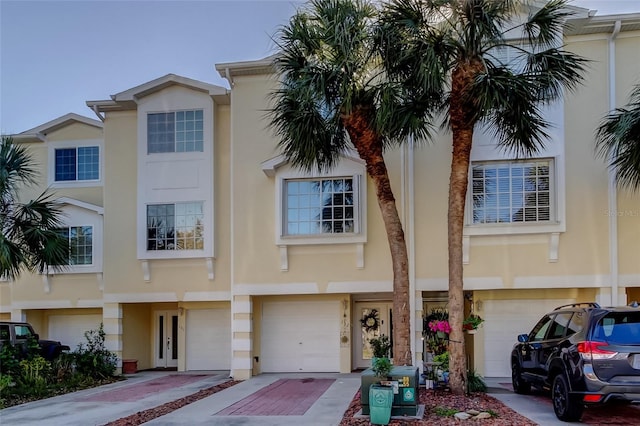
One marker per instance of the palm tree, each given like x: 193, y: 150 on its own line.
x: 332, y: 94
x: 452, y: 47
x: 618, y: 140
x: 30, y: 238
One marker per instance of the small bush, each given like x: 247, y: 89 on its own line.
x: 93, y: 359
x: 34, y: 376
x: 475, y: 382
x: 444, y: 411
x: 10, y: 360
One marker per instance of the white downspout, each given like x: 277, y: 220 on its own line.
x: 613, y: 191
x: 408, y: 203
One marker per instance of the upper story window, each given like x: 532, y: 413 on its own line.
x: 179, y: 131
x: 80, y: 244
x: 178, y: 226
x: 320, y: 206
x: 512, y: 192
x: 77, y: 164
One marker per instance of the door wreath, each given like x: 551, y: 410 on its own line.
x: 370, y: 321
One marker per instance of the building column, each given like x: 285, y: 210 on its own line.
x: 112, y: 322
x: 241, y: 337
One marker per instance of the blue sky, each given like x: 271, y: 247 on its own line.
x: 55, y: 55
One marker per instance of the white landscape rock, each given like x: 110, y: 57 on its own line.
x: 462, y: 416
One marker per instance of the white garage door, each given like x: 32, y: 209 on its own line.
x: 70, y: 329
x: 504, y: 321
x: 208, y: 339
x: 300, y: 337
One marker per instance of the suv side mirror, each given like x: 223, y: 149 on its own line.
x: 36, y: 336
x: 523, y: 338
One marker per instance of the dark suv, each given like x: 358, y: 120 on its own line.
x: 18, y: 333
x: 584, y: 353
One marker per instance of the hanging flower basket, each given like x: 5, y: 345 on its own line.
x: 472, y: 322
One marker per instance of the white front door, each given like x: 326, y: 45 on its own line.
x: 166, y: 341
x: 377, y: 316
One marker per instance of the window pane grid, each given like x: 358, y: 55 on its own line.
x: 80, y: 240
x: 65, y: 164
x: 81, y: 243
x: 515, y: 192
x: 320, y: 206
x: 180, y: 131
x: 88, y: 162
x: 177, y: 226
x: 76, y: 164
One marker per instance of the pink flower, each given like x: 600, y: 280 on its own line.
x: 438, y: 325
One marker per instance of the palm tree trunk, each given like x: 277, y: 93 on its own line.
x: 369, y: 147
x: 457, y: 194
x: 461, y: 113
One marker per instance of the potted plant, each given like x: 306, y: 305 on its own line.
x: 471, y: 323
x: 382, y: 368
x: 381, y: 396
x: 380, y: 347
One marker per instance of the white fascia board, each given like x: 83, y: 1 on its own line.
x: 270, y: 166
x: 61, y: 122
x: 158, y: 84
x: 87, y: 206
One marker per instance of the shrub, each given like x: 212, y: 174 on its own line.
x: 475, y: 382
x: 9, y: 360
x: 34, y: 375
x: 93, y: 359
x: 380, y: 346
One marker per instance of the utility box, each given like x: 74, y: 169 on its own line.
x: 404, y: 381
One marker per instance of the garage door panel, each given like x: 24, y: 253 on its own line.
x: 504, y: 321
x: 208, y: 339
x: 70, y: 329
x: 300, y: 336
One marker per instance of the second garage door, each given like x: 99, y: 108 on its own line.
x: 300, y: 337
x: 504, y: 320
x: 70, y: 329
x: 208, y: 339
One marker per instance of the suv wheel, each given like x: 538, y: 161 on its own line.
x: 566, y: 406
x: 519, y: 384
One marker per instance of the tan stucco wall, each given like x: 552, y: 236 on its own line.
x: 40, y: 152
x: 137, y: 334
x: 256, y: 256
x: 171, y: 278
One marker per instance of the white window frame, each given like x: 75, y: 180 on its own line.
x: 176, y: 177
x: 350, y: 166
x: 78, y: 213
x: 175, y: 131
x: 552, y: 225
x: 85, y: 143
x: 79, y: 265
x: 175, y: 226
x: 322, y: 237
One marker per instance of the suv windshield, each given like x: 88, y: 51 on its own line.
x: 619, y: 327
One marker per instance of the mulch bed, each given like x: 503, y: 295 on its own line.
x: 503, y: 415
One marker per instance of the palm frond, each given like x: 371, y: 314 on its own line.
x: 509, y: 104
x: 618, y: 141
x: 544, y: 28
x: 553, y: 70
x: 16, y: 166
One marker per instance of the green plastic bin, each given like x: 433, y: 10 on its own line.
x: 380, y: 403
